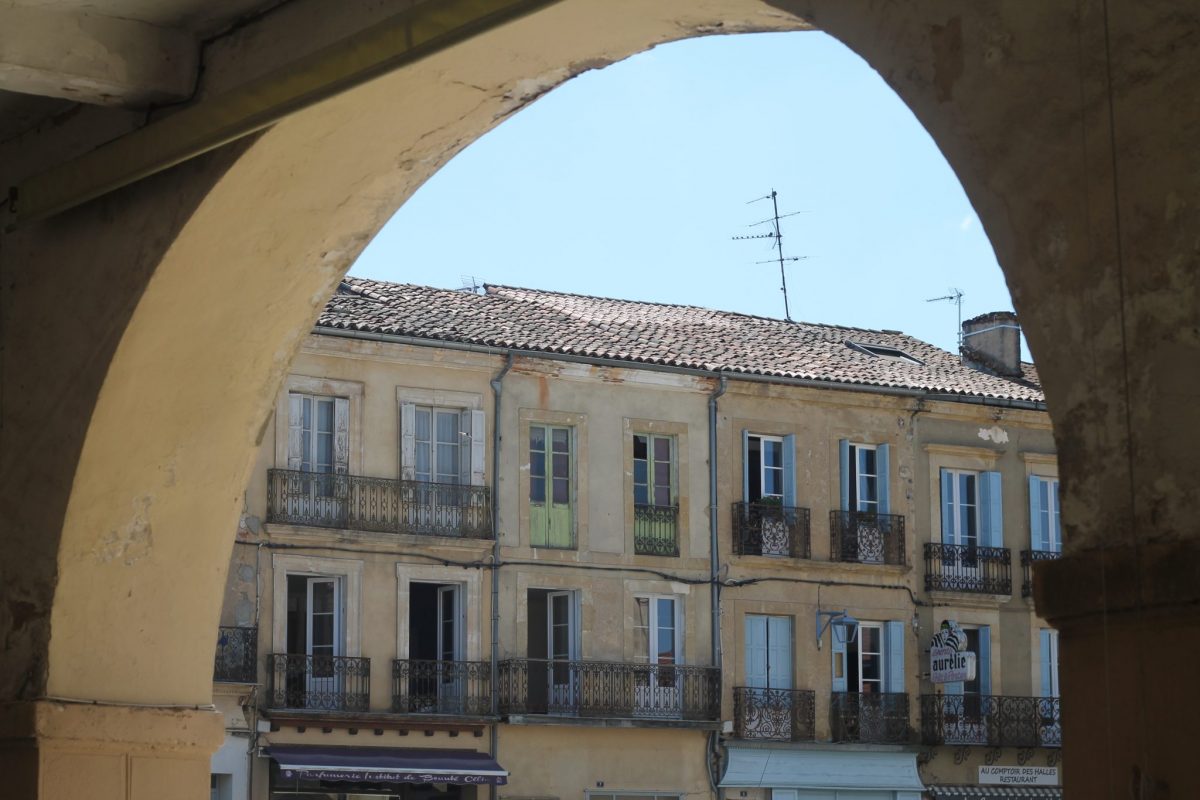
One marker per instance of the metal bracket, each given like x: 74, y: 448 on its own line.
x: 841, y: 618
x: 992, y: 756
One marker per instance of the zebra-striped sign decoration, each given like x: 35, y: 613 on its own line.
x: 949, y: 660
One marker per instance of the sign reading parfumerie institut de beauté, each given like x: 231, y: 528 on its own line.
x: 1019, y: 776
x: 949, y: 660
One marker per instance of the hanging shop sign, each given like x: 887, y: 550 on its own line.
x: 949, y: 659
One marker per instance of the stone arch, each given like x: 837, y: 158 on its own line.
x: 161, y: 334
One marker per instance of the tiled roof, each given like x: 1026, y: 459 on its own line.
x: 654, y: 333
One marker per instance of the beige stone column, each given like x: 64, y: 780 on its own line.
x: 67, y: 751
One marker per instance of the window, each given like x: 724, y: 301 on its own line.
x: 318, y: 442
x: 442, y: 445
x: 971, y: 509
x: 765, y: 473
x: 655, y: 503
x: 864, y: 477
x: 658, y: 641
x: 869, y: 660
x: 551, y: 486
x: 1049, y: 662
x: 883, y: 351
x: 965, y: 721
x: 1045, y: 525
x: 768, y: 652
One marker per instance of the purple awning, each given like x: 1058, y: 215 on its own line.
x: 386, y: 764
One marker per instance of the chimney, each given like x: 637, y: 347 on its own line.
x: 992, y: 343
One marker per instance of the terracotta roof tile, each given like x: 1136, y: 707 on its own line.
x: 657, y: 333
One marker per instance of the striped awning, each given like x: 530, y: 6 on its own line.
x: 971, y: 792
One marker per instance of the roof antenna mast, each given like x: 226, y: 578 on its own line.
x: 775, y: 233
x: 955, y: 297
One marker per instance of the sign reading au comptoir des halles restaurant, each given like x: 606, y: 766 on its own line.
x: 949, y: 659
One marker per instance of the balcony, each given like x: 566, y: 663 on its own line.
x: 1028, y: 557
x: 656, y: 530
x: 877, y: 718
x: 318, y: 683
x: 387, y: 505
x: 777, y: 715
x: 991, y: 720
x: 961, y: 568
x: 456, y: 688
x: 864, y: 538
x: 609, y: 689
x: 237, y: 654
x: 770, y: 529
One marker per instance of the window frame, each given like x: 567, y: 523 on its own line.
x: 653, y: 627
x: 957, y: 504
x: 526, y: 419
x: 1053, y: 514
x: 652, y: 471
x: 856, y: 476
x: 762, y: 466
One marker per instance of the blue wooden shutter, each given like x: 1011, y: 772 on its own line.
x: 789, y: 470
x: 779, y: 652
x: 1037, y: 531
x: 991, y: 509
x: 1047, y: 678
x: 984, y: 666
x: 756, y: 651
x: 947, y: 507
x: 838, y: 648
x: 745, y: 466
x: 844, y: 471
x: 883, y: 459
x: 893, y: 662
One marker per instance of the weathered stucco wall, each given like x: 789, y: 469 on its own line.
x: 146, y: 333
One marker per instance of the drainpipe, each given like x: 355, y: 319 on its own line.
x: 495, y: 680
x: 714, y: 555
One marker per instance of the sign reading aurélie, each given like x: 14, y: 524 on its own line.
x: 949, y: 661
x: 1019, y: 776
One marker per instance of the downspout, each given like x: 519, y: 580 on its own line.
x: 711, y: 742
x: 497, y: 382
x: 714, y: 555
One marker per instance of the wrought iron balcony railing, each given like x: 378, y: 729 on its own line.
x: 781, y: 715
x: 656, y: 530
x: 878, y: 717
x: 1027, y: 559
x: 461, y: 688
x: 318, y: 683
x: 866, y: 538
x: 609, y: 689
x: 327, y: 500
x: 960, y: 568
x: 991, y: 720
x: 769, y: 529
x: 237, y: 655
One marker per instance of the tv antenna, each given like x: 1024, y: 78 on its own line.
x: 471, y: 285
x: 777, y: 234
x: 955, y: 297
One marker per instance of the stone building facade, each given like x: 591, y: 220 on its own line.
x: 563, y: 546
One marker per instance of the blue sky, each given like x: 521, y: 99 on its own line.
x: 630, y: 182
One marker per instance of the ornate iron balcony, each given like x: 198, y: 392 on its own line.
x: 879, y: 717
x: 319, y: 683
x: 781, y: 715
x: 866, y: 538
x: 354, y: 502
x: 1027, y: 559
x: 959, y: 568
x: 461, y: 688
x: 609, y: 689
x: 991, y: 720
x: 656, y: 530
x: 237, y: 655
x: 769, y: 529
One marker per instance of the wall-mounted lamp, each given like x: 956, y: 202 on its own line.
x: 916, y: 624
x: 840, y: 621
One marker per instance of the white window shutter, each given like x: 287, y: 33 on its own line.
x: 478, y: 434
x: 341, y: 435
x: 1037, y: 530
x: 408, y: 441
x: 1047, y: 667
x: 295, y: 458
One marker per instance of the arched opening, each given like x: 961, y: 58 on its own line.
x: 221, y: 264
